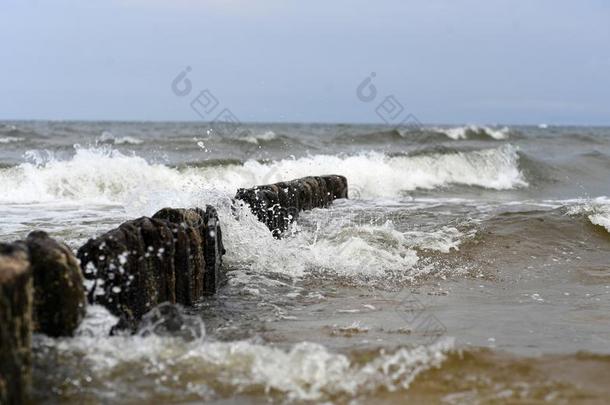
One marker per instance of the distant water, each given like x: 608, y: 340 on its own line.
x: 471, y: 263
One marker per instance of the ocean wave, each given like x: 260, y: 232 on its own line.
x: 389, y: 136
x: 107, y: 175
x: 376, y: 174
x: 95, y: 367
x: 92, y: 175
x: 328, y: 242
x: 109, y: 138
x: 586, y: 137
x: 259, y: 138
x: 8, y: 127
x: 21, y: 132
x: 11, y: 139
x: 204, y: 369
x: 429, y: 135
x: 486, y: 376
x: 475, y: 132
x: 597, y: 210
x: 345, y: 241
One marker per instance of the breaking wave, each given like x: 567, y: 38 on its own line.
x: 259, y: 138
x: 92, y: 175
x: 429, y: 135
x: 379, y: 175
x: 109, y: 138
x: 204, y: 369
x: 11, y: 139
x: 596, y: 210
x: 475, y: 132
x: 326, y: 242
x: 106, y: 175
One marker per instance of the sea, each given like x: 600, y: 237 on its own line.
x: 470, y: 264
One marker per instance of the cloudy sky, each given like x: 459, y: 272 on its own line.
x: 446, y: 61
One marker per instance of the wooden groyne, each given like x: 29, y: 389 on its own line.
x: 279, y: 204
x: 41, y: 290
x: 174, y: 256
x: 16, y: 300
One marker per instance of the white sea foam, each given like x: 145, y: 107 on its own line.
x: 137, y: 187
x: 443, y: 240
x: 377, y: 175
x: 602, y: 218
x: 303, y: 371
x: 11, y: 139
x: 597, y: 211
x: 256, y: 139
x: 464, y: 131
x: 92, y: 175
x: 109, y: 137
x: 336, y: 242
x: 106, y: 175
x: 347, y: 250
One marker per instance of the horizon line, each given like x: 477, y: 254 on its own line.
x: 367, y: 123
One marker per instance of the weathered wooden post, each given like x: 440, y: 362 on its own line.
x: 16, y: 300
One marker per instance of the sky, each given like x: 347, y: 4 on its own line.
x: 444, y: 61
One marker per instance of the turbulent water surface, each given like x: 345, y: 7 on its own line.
x: 470, y: 264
